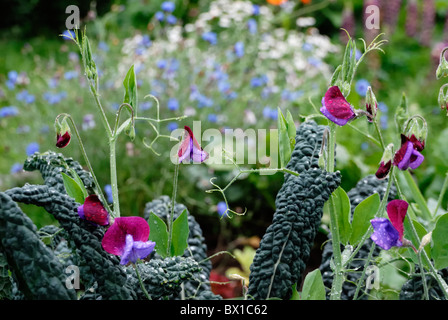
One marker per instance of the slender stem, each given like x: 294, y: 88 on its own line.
x: 361, y: 279
x: 442, y: 193
x: 338, y: 274
x: 173, y: 201
x: 86, y: 159
x: 417, y: 195
x: 141, y: 282
x: 113, y: 175
x: 101, y: 109
x: 422, y: 272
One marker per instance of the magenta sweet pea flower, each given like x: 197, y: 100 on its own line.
x: 190, y: 149
x: 388, y: 233
x: 127, y: 237
x: 92, y: 210
x: 62, y: 140
x: 409, y: 156
x: 336, y: 108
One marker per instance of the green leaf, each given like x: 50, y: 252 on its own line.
x: 130, y: 86
x: 291, y: 126
x: 295, y: 294
x: 72, y: 188
x: 180, y: 234
x: 313, y: 287
x: 439, y: 251
x: 284, y: 143
x: 364, y: 212
x: 341, y: 205
x: 158, y: 233
x: 79, y: 181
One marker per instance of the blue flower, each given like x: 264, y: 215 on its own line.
x: 255, y: 9
x: 171, y: 19
x: 382, y: 107
x: 16, y: 168
x: 103, y: 46
x: 12, y: 76
x: 172, y: 126
x: 239, y: 49
x: 252, y: 26
x: 8, y: 111
x: 68, y: 35
x: 168, y: 6
x: 32, y: 148
x: 210, y: 37
x: 221, y: 207
x: 361, y: 87
x: 212, y: 118
x: 25, y: 97
x: 70, y: 75
x: 258, y: 81
x: 307, y: 46
x: 159, y: 15
x: 161, y: 64
x: 173, y: 104
x: 108, y: 191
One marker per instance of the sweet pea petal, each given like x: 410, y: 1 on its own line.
x: 114, y: 239
x: 385, y: 235
x: 403, y: 155
x: 396, y: 210
x: 337, y: 105
x: 190, y: 148
x: 134, y: 250
x: 92, y: 210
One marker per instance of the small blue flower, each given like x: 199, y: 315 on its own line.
x: 252, y: 26
x: 70, y: 75
x: 168, y: 6
x: 172, y: 126
x: 173, y: 104
x: 255, y: 9
x: 68, y: 35
x: 103, y: 46
x: 307, y: 46
x: 361, y: 87
x: 108, y: 191
x: 8, y: 111
x: 161, y: 64
x: 221, y: 207
x: 16, y: 168
x: 171, y: 19
x: 210, y: 37
x: 212, y: 118
x: 146, y: 41
x: 12, y: 75
x: 239, y: 49
x: 382, y: 107
x: 32, y: 148
x: 146, y: 105
x: 159, y: 15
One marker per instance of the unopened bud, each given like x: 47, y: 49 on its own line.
x: 371, y: 104
x: 63, y: 134
x: 442, y: 69
x: 385, y: 163
x: 425, y: 240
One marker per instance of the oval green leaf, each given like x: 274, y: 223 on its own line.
x: 72, y: 188
x: 439, y: 251
x: 313, y: 287
x: 363, y: 213
x: 158, y: 234
x: 181, y: 231
x: 341, y: 207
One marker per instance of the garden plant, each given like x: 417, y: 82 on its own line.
x: 381, y: 241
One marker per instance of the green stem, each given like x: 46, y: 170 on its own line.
x: 442, y: 193
x: 113, y: 176
x: 86, y: 159
x: 338, y: 274
x: 141, y: 282
x: 417, y: 195
x: 101, y: 109
x: 173, y: 201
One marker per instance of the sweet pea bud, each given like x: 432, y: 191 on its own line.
x: 130, y: 130
x: 442, y: 69
x: 63, y: 134
x: 371, y: 104
x: 87, y: 59
x: 401, y: 113
x: 417, y: 131
x: 385, y: 163
x: 425, y: 241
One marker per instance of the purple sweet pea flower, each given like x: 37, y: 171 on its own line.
x: 336, y: 108
x: 409, y: 156
x: 92, y: 210
x: 388, y: 233
x: 190, y: 149
x: 127, y: 237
